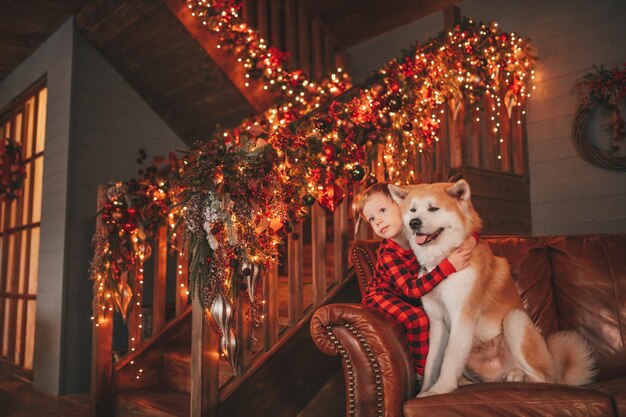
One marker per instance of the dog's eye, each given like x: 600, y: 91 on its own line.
x: 413, y: 210
x: 433, y: 208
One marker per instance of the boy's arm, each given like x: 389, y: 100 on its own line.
x: 409, y: 285
x: 422, y: 285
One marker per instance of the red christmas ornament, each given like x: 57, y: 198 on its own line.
x: 330, y: 197
x: 329, y: 151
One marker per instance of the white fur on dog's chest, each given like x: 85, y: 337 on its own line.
x: 449, y: 296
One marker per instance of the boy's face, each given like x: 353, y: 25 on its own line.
x: 383, y: 214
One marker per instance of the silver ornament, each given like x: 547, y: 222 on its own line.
x: 250, y: 276
x: 230, y: 348
x: 222, y: 311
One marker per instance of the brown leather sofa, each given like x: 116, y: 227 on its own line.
x: 574, y: 282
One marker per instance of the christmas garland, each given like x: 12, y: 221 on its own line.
x: 12, y: 170
x: 131, y: 215
x: 398, y: 110
x: 601, y: 88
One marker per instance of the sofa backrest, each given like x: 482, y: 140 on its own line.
x: 589, y: 282
x: 566, y: 283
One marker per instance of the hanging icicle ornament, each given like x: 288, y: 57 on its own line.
x: 230, y: 349
x: 222, y: 311
x: 123, y: 296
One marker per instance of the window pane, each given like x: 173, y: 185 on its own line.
x: 34, y: 261
x: 17, y: 133
x: 30, y: 120
x: 6, y: 132
x: 30, y: 334
x: 5, y: 335
x: 38, y: 177
x: 22, y: 260
x: 10, y: 259
x: 12, y: 219
x: 26, y: 194
x: 2, y: 210
x: 41, y: 120
x: 18, y: 332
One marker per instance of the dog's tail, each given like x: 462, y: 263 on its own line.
x: 573, y: 358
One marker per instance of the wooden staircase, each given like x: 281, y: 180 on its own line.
x: 296, y: 370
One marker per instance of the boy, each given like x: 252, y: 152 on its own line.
x: 396, y: 287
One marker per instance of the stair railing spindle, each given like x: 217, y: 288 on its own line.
x: 160, y: 276
x: 318, y: 247
x: 295, y: 292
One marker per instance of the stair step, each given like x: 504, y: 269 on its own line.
x: 152, y: 402
x: 176, y: 371
x: 330, y: 401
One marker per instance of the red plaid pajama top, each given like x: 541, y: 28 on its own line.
x: 396, y: 289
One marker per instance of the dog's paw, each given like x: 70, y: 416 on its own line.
x: 425, y: 394
x: 436, y: 391
x: 516, y: 375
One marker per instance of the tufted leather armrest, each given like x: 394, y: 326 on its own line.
x: 377, y: 364
x: 364, y: 254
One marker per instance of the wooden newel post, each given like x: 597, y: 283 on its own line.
x: 102, y: 365
x: 101, y: 350
x: 204, y: 364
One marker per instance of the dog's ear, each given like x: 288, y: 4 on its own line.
x: 459, y: 190
x: 397, y: 193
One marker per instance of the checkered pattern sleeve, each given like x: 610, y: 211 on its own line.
x: 399, y: 271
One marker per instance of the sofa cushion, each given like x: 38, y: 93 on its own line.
x: 616, y: 389
x: 530, y: 269
x: 512, y: 400
x: 589, y: 280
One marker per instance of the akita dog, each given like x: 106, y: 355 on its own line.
x: 478, y: 327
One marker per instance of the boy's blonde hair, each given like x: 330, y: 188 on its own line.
x: 361, y: 199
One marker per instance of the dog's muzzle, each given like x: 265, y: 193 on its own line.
x: 415, y: 224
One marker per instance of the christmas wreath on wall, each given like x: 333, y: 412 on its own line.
x: 12, y: 170
x: 601, y: 88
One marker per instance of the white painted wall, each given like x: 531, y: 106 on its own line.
x: 568, y: 195
x: 110, y: 123
x: 96, y: 123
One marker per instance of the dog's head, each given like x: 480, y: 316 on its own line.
x: 437, y: 217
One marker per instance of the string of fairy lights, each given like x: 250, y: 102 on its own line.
x: 232, y: 200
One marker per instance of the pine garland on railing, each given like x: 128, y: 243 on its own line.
x: 131, y: 215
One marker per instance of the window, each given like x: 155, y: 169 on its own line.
x: 23, y: 120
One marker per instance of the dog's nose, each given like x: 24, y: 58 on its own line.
x: 415, y: 224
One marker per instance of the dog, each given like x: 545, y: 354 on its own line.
x: 479, y: 330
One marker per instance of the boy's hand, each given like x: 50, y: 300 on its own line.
x: 460, y: 258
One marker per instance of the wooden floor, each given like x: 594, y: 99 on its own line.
x: 19, y: 399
